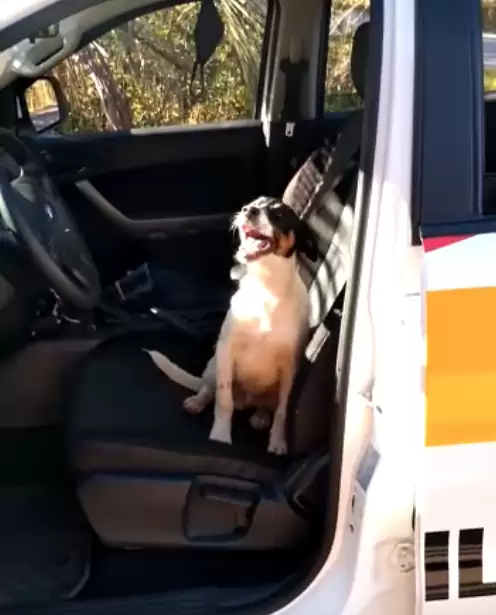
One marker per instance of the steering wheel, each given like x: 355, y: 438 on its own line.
x: 32, y: 208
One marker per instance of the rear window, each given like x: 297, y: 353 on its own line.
x: 489, y: 44
x: 346, y: 16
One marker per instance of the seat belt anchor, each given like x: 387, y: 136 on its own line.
x: 289, y: 130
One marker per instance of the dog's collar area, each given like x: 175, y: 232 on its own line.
x: 238, y: 271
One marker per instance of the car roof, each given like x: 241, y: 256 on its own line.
x: 74, y: 17
x: 20, y: 17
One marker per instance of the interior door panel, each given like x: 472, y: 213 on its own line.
x: 166, y: 194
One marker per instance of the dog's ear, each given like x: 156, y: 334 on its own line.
x: 306, y: 242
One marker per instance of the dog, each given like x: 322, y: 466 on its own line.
x: 262, y: 338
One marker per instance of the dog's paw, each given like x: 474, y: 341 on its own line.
x: 277, y: 445
x: 260, y: 420
x: 221, y: 432
x: 194, y: 404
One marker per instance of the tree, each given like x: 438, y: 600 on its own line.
x: 489, y: 27
x: 347, y: 15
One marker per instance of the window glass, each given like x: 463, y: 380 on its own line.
x: 489, y: 44
x: 489, y: 59
x: 346, y: 16
x: 42, y: 105
x: 138, y: 75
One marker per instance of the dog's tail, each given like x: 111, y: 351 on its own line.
x: 174, y: 372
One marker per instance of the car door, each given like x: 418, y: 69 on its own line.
x: 456, y: 487
x: 152, y: 160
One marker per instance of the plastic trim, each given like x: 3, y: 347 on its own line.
x: 448, y: 160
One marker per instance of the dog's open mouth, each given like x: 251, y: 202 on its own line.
x: 256, y: 243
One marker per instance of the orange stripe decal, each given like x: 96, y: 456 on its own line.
x: 461, y: 366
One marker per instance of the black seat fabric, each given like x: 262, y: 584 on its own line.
x: 146, y: 472
x: 128, y: 416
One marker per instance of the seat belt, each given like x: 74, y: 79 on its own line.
x: 291, y: 112
x: 294, y: 73
x: 347, y: 146
x: 303, y: 473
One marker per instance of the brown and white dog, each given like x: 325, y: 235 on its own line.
x: 263, y: 335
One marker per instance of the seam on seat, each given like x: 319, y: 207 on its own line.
x: 101, y: 455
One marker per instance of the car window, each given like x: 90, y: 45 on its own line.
x: 489, y: 44
x: 346, y: 16
x: 139, y: 74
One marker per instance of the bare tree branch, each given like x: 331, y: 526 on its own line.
x: 114, y: 104
x: 167, y: 56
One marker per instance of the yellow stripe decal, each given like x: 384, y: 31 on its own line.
x: 461, y: 366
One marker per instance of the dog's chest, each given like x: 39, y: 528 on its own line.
x: 259, y: 357
x: 259, y: 317
x: 266, y: 333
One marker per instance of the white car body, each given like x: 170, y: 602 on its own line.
x: 376, y: 563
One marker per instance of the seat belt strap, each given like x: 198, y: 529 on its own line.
x: 346, y: 148
x: 294, y: 73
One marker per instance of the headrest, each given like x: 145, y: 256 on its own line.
x: 359, y: 56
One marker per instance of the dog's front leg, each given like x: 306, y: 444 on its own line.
x: 206, y: 393
x: 224, y: 403
x: 277, y: 438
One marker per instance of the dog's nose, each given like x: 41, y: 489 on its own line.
x: 251, y: 212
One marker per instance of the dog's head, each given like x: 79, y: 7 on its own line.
x: 267, y: 226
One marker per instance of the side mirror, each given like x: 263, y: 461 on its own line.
x: 43, y: 104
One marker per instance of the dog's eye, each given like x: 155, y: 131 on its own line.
x: 276, y: 212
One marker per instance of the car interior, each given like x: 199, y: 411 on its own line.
x: 108, y: 489
x: 489, y: 185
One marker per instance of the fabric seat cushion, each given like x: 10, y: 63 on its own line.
x: 126, y: 415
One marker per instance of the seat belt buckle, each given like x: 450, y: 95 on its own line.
x: 289, y: 129
x: 300, y: 478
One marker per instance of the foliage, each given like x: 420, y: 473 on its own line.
x: 489, y: 26
x: 346, y: 17
x: 139, y: 74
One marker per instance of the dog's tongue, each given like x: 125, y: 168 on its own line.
x: 252, y: 244
x: 255, y: 242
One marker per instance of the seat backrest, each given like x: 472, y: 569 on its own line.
x: 331, y: 218
x: 315, y: 385
x: 313, y: 193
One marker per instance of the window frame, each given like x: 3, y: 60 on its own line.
x: 322, y: 60
x: 448, y: 156
x: 269, y: 55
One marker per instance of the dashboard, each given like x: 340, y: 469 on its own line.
x: 21, y: 289
x: 7, y: 163
x: 7, y: 293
